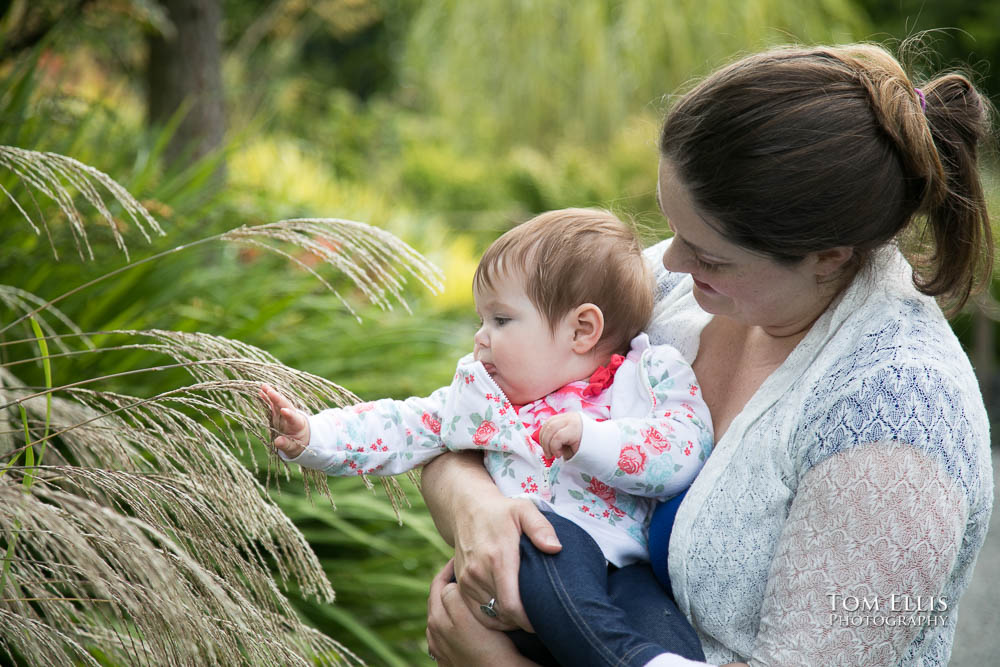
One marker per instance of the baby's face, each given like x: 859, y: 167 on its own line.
x: 520, y: 351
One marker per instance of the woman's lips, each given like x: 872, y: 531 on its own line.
x: 704, y: 287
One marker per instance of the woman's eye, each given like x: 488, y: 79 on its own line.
x: 706, y: 266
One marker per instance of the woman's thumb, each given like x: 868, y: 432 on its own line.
x: 539, y: 531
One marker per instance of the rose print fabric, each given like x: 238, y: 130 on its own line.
x: 646, y: 434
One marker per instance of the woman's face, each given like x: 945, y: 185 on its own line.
x: 737, y: 283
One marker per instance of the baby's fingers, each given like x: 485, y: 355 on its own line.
x: 552, y: 446
x: 288, y: 446
x: 275, y: 397
x: 292, y: 421
x: 272, y: 399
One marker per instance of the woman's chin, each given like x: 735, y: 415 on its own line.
x: 708, y: 299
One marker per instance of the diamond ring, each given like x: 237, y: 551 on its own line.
x: 488, y: 608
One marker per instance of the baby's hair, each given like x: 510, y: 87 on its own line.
x: 574, y: 256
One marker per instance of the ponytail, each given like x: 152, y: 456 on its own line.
x: 959, y: 258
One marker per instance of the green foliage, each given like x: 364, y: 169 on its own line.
x: 580, y: 69
x: 963, y: 34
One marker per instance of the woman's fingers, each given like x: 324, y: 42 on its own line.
x: 486, y: 561
x: 488, y: 568
x: 508, y: 599
x: 477, y: 585
x: 529, y: 521
x: 455, y: 635
x: 438, y: 621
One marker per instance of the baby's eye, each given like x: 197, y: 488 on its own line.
x: 500, y: 321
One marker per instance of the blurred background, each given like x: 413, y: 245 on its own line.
x: 443, y: 121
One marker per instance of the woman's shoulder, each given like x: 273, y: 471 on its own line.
x: 894, y: 371
x: 885, y: 323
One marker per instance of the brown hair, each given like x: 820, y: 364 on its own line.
x: 574, y: 256
x: 797, y: 150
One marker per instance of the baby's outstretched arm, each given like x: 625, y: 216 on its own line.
x: 289, y: 424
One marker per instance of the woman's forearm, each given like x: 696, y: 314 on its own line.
x: 449, y: 483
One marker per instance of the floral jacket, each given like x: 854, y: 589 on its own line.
x: 646, y: 434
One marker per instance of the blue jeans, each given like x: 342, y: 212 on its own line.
x: 587, y: 613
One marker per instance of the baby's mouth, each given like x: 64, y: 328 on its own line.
x: 490, y: 368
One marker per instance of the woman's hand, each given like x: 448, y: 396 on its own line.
x: 485, y: 528
x: 456, y: 637
x: 487, y: 556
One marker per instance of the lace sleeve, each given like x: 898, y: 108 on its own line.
x: 870, y: 540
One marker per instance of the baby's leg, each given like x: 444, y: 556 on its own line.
x: 651, y: 611
x: 566, y: 597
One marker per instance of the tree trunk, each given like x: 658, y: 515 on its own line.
x: 184, y: 70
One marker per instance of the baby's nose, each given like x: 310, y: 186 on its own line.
x: 480, y: 339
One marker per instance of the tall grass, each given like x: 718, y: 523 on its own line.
x: 141, y: 538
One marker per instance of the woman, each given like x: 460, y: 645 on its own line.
x: 839, y: 516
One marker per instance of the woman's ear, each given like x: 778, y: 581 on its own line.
x: 587, y: 322
x: 828, y: 262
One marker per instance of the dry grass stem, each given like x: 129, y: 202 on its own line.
x: 374, y: 259
x: 21, y: 301
x: 58, y: 177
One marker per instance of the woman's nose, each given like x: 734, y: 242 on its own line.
x: 673, y: 259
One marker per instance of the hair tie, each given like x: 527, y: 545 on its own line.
x: 923, y: 100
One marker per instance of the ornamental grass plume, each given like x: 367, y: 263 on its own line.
x: 130, y: 532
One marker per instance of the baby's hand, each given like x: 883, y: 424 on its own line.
x: 291, y: 426
x: 560, y: 436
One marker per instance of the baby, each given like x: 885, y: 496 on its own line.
x: 573, y: 409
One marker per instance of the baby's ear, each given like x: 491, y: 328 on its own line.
x: 587, y: 321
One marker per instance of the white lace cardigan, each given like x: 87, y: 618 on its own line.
x: 838, y: 519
